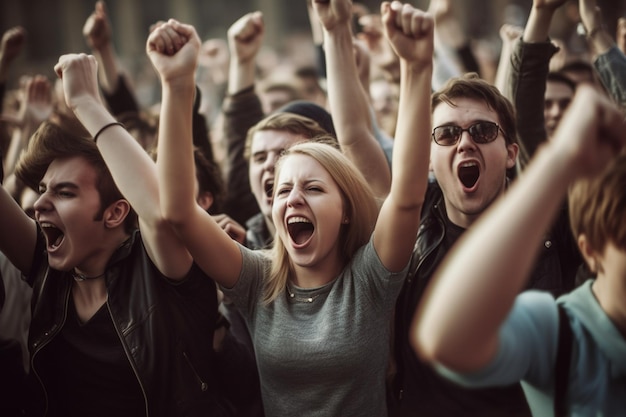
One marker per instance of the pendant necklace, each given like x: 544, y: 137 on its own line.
x: 294, y: 297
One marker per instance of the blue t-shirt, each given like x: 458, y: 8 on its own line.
x: 527, y: 352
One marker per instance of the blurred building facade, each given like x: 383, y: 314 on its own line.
x: 55, y: 26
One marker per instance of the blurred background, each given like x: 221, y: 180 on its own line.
x: 54, y: 27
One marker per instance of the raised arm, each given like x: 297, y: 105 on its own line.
x: 530, y: 63
x: 17, y: 233
x: 98, y: 33
x: 132, y: 169
x: 242, y: 109
x: 410, y: 32
x: 214, y: 251
x: 610, y: 61
x: 349, y: 103
x: 476, y: 285
x: 35, y: 107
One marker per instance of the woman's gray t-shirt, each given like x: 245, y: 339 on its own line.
x: 322, y: 351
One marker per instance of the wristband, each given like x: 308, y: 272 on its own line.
x: 105, y: 127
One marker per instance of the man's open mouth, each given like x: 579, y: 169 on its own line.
x: 468, y: 174
x: 54, y: 235
x: 268, y: 186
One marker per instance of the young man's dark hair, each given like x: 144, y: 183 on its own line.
x: 50, y: 142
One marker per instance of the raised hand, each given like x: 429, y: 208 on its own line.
x: 10, y: 47
x: 410, y: 32
x: 97, y: 29
x: 245, y: 36
x: 37, y: 104
x: 591, y: 132
x: 173, y: 48
x: 80, y: 81
x: 548, y: 4
x: 333, y: 12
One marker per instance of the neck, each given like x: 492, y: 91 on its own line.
x: 316, y: 276
x: 611, y: 300
x: 80, y: 277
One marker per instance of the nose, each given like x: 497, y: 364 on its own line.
x: 42, y: 203
x: 465, y: 143
x: 270, y: 161
x: 553, y: 110
x: 295, y: 197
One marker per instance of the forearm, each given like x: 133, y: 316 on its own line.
x: 527, y: 85
x: 176, y: 164
x: 241, y: 112
x: 351, y: 111
x: 108, y: 71
x: 476, y: 285
x: 132, y: 169
x: 611, y: 67
x: 411, y: 152
x: 241, y: 75
x: 538, y: 24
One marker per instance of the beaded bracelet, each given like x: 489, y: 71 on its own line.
x: 105, y: 127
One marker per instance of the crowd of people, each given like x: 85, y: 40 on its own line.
x: 388, y: 232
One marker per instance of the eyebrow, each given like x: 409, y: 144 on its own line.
x: 60, y: 185
x: 473, y: 122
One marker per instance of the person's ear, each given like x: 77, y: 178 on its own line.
x: 588, y: 253
x: 512, y: 150
x: 116, y: 213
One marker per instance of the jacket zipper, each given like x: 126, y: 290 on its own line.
x: 203, y: 385
x: 128, y: 356
x: 51, y: 333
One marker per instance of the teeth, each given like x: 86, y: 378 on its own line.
x: 468, y: 164
x: 298, y: 220
x: 46, y: 225
x: 58, y: 241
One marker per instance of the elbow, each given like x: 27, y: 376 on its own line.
x: 425, y: 343
x: 176, y: 217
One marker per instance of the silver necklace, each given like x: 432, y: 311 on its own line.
x: 78, y: 277
x: 294, y: 297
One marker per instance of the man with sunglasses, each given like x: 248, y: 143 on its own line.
x: 474, y: 145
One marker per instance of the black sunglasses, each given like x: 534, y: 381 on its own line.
x: 480, y: 132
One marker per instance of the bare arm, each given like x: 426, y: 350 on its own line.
x: 97, y: 31
x: 509, y: 35
x: 131, y: 167
x: 245, y: 38
x: 410, y: 32
x: 348, y: 100
x: 597, y: 35
x: 10, y: 47
x: 214, y: 251
x: 17, y: 233
x: 475, y: 287
x: 35, y: 107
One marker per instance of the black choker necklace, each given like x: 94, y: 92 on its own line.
x: 78, y: 277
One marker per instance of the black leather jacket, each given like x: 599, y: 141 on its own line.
x: 416, y: 390
x: 166, y: 329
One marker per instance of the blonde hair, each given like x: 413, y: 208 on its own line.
x: 360, y: 206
